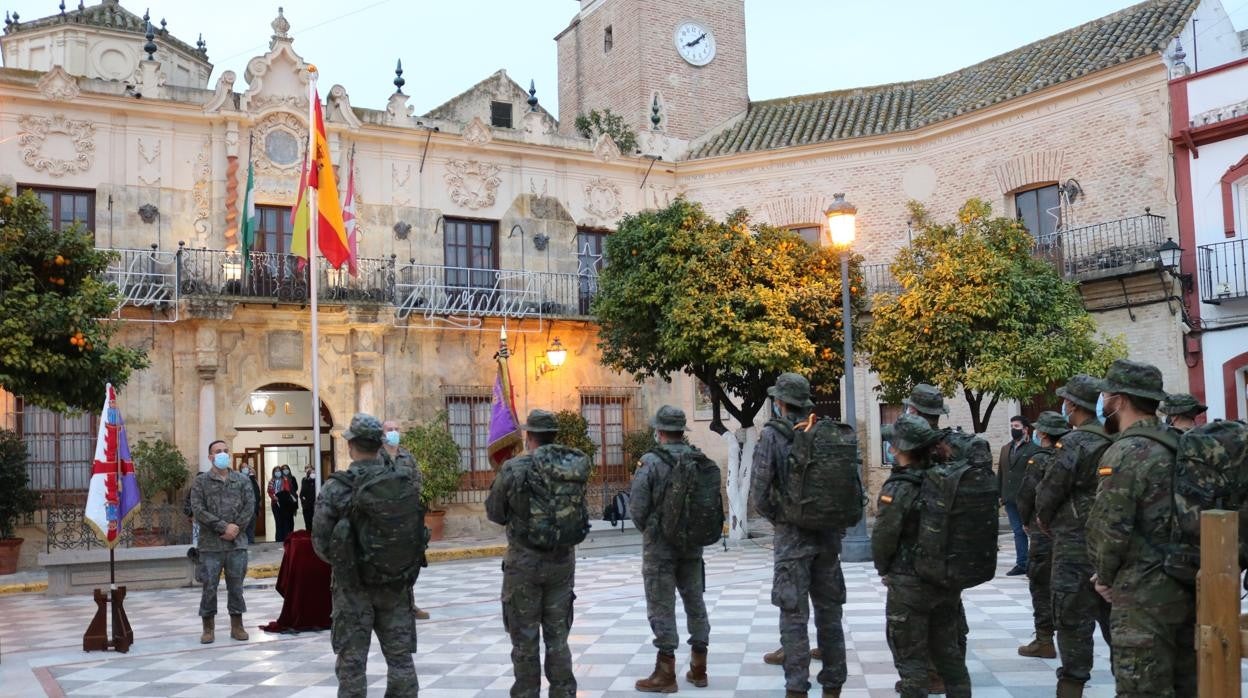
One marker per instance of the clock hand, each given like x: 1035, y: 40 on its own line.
x: 696, y: 41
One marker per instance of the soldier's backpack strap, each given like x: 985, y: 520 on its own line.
x: 784, y: 426
x: 1165, y: 437
x: 1096, y: 429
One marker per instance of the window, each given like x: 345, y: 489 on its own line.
x: 888, y: 415
x: 591, y: 257
x: 468, y: 416
x: 272, y: 229
x: 500, y: 114
x: 471, y: 253
x: 1039, y: 210
x: 604, y: 416
x: 67, y: 206
x: 810, y: 233
x: 608, y: 39
x: 61, y: 449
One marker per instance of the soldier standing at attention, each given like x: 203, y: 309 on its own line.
x: 401, y: 456
x: 537, y: 580
x: 807, y: 563
x: 664, y: 568
x: 1049, y: 427
x: 1181, y: 410
x: 223, y: 505
x: 1063, y: 500
x: 369, y: 529
x: 923, y: 627
x: 1154, y: 615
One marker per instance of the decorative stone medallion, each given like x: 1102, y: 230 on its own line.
x: 472, y: 184
x: 32, y: 136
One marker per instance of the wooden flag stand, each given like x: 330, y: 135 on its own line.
x: 96, y: 637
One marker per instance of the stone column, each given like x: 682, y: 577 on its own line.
x: 364, y: 362
x: 364, y: 393
x: 206, y: 368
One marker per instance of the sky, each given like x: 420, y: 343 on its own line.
x: 793, y: 46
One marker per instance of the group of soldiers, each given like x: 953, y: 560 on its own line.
x: 1095, y: 500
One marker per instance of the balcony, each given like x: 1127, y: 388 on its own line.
x: 144, y: 278
x: 461, y: 296
x: 280, y: 278
x: 879, y: 279
x: 1223, y: 268
x: 1105, y: 250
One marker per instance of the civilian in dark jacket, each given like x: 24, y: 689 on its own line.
x: 307, y: 497
x: 1011, y: 467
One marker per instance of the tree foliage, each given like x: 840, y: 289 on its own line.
x: 979, y: 313
x: 574, y: 432
x: 16, y: 498
x: 159, y: 467
x: 54, y: 347
x: 732, y: 304
x: 599, y: 122
x: 437, y: 456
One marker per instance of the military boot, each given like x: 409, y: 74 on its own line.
x: 795, y: 694
x: 697, y: 668
x: 236, y: 627
x: 935, y: 684
x: 831, y: 693
x: 663, y: 679
x: 210, y: 632
x: 1041, y: 647
x: 420, y: 614
x: 776, y: 657
x: 1066, y: 688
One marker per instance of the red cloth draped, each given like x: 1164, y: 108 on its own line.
x: 303, y: 582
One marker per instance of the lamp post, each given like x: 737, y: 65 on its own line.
x: 842, y: 219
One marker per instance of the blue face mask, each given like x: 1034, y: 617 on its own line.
x: 221, y: 460
x: 1064, y: 414
x: 775, y: 409
x: 1035, y: 438
x: 392, y: 438
x: 1100, y: 408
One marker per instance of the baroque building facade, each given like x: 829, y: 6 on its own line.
x: 490, y: 211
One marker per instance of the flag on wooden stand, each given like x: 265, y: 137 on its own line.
x: 114, y: 492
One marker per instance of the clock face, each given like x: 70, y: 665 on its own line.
x: 695, y: 43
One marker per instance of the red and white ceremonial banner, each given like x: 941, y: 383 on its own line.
x: 114, y: 492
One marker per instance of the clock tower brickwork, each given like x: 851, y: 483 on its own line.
x: 639, y: 60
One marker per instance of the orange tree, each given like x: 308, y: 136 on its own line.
x: 54, y: 346
x: 979, y: 314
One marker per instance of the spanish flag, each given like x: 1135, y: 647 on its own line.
x: 331, y: 232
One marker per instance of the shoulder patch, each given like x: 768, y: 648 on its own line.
x: 1030, y: 461
x: 1104, y: 470
x: 1058, y: 444
x: 886, y: 499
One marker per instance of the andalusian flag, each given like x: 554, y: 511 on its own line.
x: 330, y: 230
x: 348, y: 218
x: 114, y: 492
x: 248, y: 235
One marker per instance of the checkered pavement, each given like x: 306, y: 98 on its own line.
x: 463, y: 650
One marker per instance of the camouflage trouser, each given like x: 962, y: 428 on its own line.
x: 798, y: 585
x: 924, y: 627
x: 537, y: 596
x: 1039, y: 577
x: 1154, y: 625
x: 234, y: 562
x: 662, y: 577
x: 1077, y: 610
x: 358, y: 613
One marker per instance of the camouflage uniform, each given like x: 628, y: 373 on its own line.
x: 1040, y: 545
x: 359, y: 610
x: 1153, y: 616
x: 537, y: 594
x: 1063, y: 500
x: 215, y: 503
x: 807, y: 563
x: 1180, y: 405
x: 404, y: 457
x: 924, y: 626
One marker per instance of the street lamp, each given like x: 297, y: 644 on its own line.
x: 1171, y: 255
x: 842, y: 220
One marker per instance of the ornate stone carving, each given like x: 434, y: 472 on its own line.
x: 605, y: 148
x: 201, y: 192
x: 338, y: 107
x: 223, y: 95
x: 280, y: 138
x: 398, y: 111
x: 289, y: 86
x: 33, y: 132
x: 149, y: 164
x: 602, y: 198
x: 399, y: 178
x: 58, y: 86
x: 472, y: 184
x: 662, y: 195
x: 477, y: 133
x: 285, y: 350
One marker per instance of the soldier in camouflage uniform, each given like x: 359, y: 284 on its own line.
x: 360, y: 610
x: 400, y: 456
x: 807, y: 563
x: 537, y: 584
x: 665, y: 569
x: 223, y: 504
x: 1153, y: 616
x: 923, y: 621
x: 1181, y: 410
x: 1049, y: 427
x: 1063, y: 500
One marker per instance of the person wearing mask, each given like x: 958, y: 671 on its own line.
x: 1011, y: 467
x: 390, y: 449
x: 307, y: 497
x: 1181, y: 410
x: 282, y: 499
x: 223, y: 504
x: 255, y: 489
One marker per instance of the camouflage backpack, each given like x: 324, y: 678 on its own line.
x: 957, y: 543
x: 691, y: 512
x: 968, y: 447
x: 386, y: 524
x: 551, y: 509
x: 820, y: 487
x: 1210, y: 472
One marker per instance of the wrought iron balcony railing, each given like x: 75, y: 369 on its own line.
x: 281, y: 278
x: 879, y: 279
x: 145, y: 278
x: 1223, y: 268
x: 462, y: 296
x: 1105, y: 250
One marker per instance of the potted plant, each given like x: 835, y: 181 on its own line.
x: 16, y: 498
x: 159, y: 468
x: 636, y: 444
x: 574, y: 433
x: 437, y: 455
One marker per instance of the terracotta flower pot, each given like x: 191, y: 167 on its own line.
x: 436, y: 521
x: 10, y: 550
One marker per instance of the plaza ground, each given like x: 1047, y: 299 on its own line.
x: 463, y: 650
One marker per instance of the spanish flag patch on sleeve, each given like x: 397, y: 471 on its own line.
x: 886, y: 499
x: 1104, y: 470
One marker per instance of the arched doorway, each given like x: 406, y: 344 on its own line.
x: 274, y: 428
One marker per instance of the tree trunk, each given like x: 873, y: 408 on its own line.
x: 740, y: 463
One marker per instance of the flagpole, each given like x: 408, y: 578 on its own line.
x: 313, y: 264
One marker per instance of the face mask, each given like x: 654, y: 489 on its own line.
x: 247, y: 471
x: 1035, y: 438
x: 1109, y: 419
x: 221, y: 460
x: 656, y: 437
x: 1100, y: 408
x: 392, y: 438
x: 1064, y: 414
x: 775, y: 409
x: 1016, y: 434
